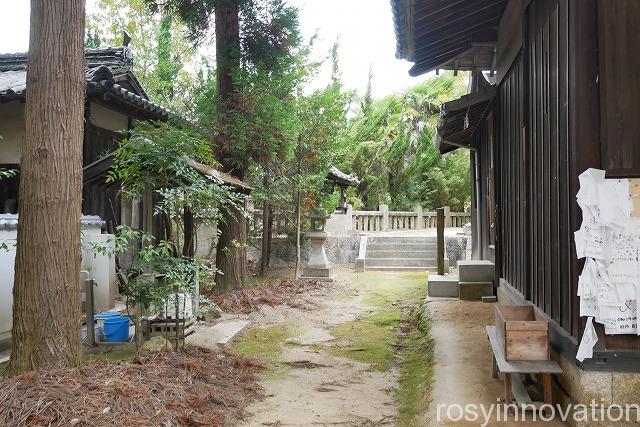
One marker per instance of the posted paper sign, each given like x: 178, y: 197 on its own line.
x: 609, y: 240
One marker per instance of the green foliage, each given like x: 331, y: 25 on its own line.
x: 395, y: 157
x: 156, y: 157
x: 160, y: 48
x: 262, y: 125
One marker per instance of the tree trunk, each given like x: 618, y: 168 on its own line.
x: 231, y: 253
x: 298, y: 226
x: 269, y: 234
x: 188, y: 246
x: 264, y: 254
x: 46, y: 291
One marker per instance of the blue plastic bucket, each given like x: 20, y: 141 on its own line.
x: 116, y: 329
x: 107, y: 315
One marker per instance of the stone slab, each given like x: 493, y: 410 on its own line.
x: 219, y: 335
x: 474, y: 291
x: 443, y: 286
x: 476, y: 271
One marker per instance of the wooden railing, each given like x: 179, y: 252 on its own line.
x: 385, y: 220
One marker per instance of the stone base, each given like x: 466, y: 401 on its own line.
x: 474, y: 291
x: 445, y: 286
x: 476, y: 271
x: 318, y: 273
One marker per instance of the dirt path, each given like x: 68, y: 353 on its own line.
x: 319, y: 387
x: 462, y: 373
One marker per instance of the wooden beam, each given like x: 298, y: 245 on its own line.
x: 440, y: 239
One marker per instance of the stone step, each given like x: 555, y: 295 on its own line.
x: 474, y: 291
x: 401, y: 262
x: 400, y: 247
x: 395, y: 268
x: 394, y: 239
x: 397, y: 254
x: 443, y: 286
x: 476, y: 271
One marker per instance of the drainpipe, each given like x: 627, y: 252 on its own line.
x: 477, y: 228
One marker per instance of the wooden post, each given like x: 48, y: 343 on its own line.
x: 89, y: 284
x: 440, y: 238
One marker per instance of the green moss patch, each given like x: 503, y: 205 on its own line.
x: 416, y: 369
x: 384, y: 289
x: 370, y: 339
x: 266, y: 345
x: 109, y: 353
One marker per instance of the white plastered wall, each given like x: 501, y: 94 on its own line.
x: 11, y: 132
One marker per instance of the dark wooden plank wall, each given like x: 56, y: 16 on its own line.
x: 98, y: 198
x: 98, y: 143
x: 549, y: 116
x: 533, y: 165
x: 619, y: 62
x: 546, y: 63
x: 512, y: 176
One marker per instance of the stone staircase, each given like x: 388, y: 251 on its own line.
x: 400, y: 253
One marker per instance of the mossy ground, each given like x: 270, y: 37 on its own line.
x: 416, y: 369
x: 396, y: 328
x: 109, y: 353
x: 370, y: 339
x: 373, y: 336
x: 266, y: 345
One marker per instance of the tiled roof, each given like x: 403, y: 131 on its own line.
x: 112, y: 57
x: 224, y: 177
x: 104, y: 65
x: 340, y: 177
x: 12, y: 83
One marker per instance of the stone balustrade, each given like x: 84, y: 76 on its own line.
x: 385, y: 220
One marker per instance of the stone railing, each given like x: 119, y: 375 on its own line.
x: 385, y: 220
x: 281, y: 224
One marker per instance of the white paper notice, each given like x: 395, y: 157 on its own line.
x: 609, y: 240
x: 589, y: 340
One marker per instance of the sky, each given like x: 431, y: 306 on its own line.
x: 364, y: 29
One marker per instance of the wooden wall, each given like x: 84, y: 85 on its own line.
x: 537, y: 160
x: 569, y: 100
x: 97, y: 197
x: 619, y: 62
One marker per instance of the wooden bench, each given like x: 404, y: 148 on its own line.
x: 513, y: 385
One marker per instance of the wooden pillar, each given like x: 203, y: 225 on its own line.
x: 440, y: 238
x: 90, y: 308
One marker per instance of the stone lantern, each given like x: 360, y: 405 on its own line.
x: 318, y: 266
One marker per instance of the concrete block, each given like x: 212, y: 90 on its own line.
x: 476, y: 271
x: 474, y: 291
x: 443, y: 286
